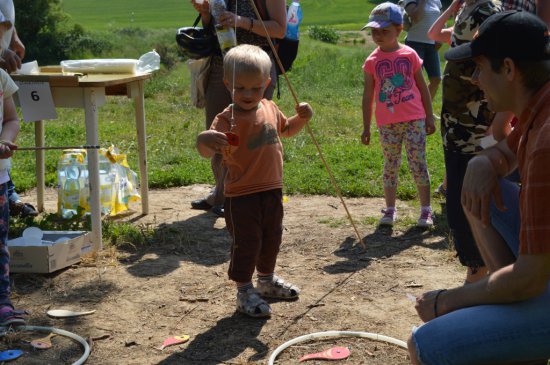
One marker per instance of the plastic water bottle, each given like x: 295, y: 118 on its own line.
x: 106, y: 182
x: 293, y: 20
x: 71, y: 177
x: 71, y: 190
x: 227, y: 37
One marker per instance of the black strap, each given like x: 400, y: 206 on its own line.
x: 197, y: 21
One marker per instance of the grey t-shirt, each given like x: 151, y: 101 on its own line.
x: 419, y: 30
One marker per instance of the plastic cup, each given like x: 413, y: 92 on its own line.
x: 33, y: 235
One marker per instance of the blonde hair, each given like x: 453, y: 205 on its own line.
x: 247, y: 59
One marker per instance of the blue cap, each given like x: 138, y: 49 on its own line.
x: 383, y: 15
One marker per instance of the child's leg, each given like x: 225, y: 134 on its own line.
x: 390, y: 195
x: 270, y: 285
x: 415, y: 147
x: 242, y: 221
x: 244, y: 226
x: 391, y: 139
x: 5, y: 290
x: 271, y: 216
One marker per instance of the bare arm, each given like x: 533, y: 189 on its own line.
x: 525, y: 279
x: 426, y: 101
x: 16, y: 45
x: 304, y: 113
x: 438, y: 31
x: 275, y: 25
x: 10, y: 129
x: 500, y: 126
x: 204, y: 10
x: 368, y: 100
x: 211, y: 142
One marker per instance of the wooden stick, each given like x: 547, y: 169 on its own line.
x: 58, y: 148
x: 310, y: 132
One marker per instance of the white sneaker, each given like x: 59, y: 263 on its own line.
x: 390, y: 215
x: 426, y: 219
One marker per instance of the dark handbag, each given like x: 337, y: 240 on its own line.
x: 196, y: 42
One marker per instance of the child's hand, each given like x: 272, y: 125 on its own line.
x: 216, y: 141
x: 6, y: 149
x: 304, y: 111
x: 365, y: 137
x: 430, y: 125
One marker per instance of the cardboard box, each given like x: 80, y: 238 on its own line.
x: 48, y: 256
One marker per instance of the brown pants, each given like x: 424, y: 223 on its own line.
x: 255, y: 223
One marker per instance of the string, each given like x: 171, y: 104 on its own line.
x: 308, y: 128
x: 234, y: 71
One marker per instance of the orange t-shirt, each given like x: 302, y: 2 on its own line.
x: 530, y: 140
x: 256, y: 164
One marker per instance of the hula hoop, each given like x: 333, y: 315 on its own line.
x: 64, y: 333
x: 369, y: 335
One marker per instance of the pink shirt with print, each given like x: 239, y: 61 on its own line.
x: 395, y: 92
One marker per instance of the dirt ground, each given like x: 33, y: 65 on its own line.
x: 178, y: 286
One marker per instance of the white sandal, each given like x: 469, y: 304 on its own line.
x: 252, y: 305
x: 277, y: 288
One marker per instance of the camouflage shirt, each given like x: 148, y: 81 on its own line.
x: 465, y: 117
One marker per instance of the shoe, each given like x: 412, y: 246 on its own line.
x: 200, y: 204
x: 219, y: 211
x: 440, y: 190
x: 390, y: 215
x: 425, y: 220
x: 9, y: 317
x: 20, y: 209
x: 252, y: 305
x: 277, y: 288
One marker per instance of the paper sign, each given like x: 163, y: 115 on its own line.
x: 35, y: 99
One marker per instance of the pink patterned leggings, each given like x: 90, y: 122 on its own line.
x: 413, y: 135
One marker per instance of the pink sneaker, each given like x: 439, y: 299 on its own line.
x: 426, y: 219
x: 390, y: 215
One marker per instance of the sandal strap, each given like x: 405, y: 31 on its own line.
x: 254, y: 305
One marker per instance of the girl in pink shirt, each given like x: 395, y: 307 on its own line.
x: 394, y: 82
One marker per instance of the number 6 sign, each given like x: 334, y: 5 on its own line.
x: 35, y: 99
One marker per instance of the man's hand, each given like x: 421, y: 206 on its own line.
x: 480, y: 184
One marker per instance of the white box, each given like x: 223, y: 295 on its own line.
x: 48, y: 256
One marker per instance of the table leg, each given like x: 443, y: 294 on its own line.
x: 40, y: 164
x: 142, y: 148
x: 92, y: 138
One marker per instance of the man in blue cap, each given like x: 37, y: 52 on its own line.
x: 505, y: 317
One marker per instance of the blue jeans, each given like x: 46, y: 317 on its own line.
x: 12, y: 194
x: 491, y: 334
x: 429, y: 56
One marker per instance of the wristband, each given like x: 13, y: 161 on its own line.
x: 251, y: 24
x: 435, y: 300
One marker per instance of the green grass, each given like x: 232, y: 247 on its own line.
x: 108, y: 14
